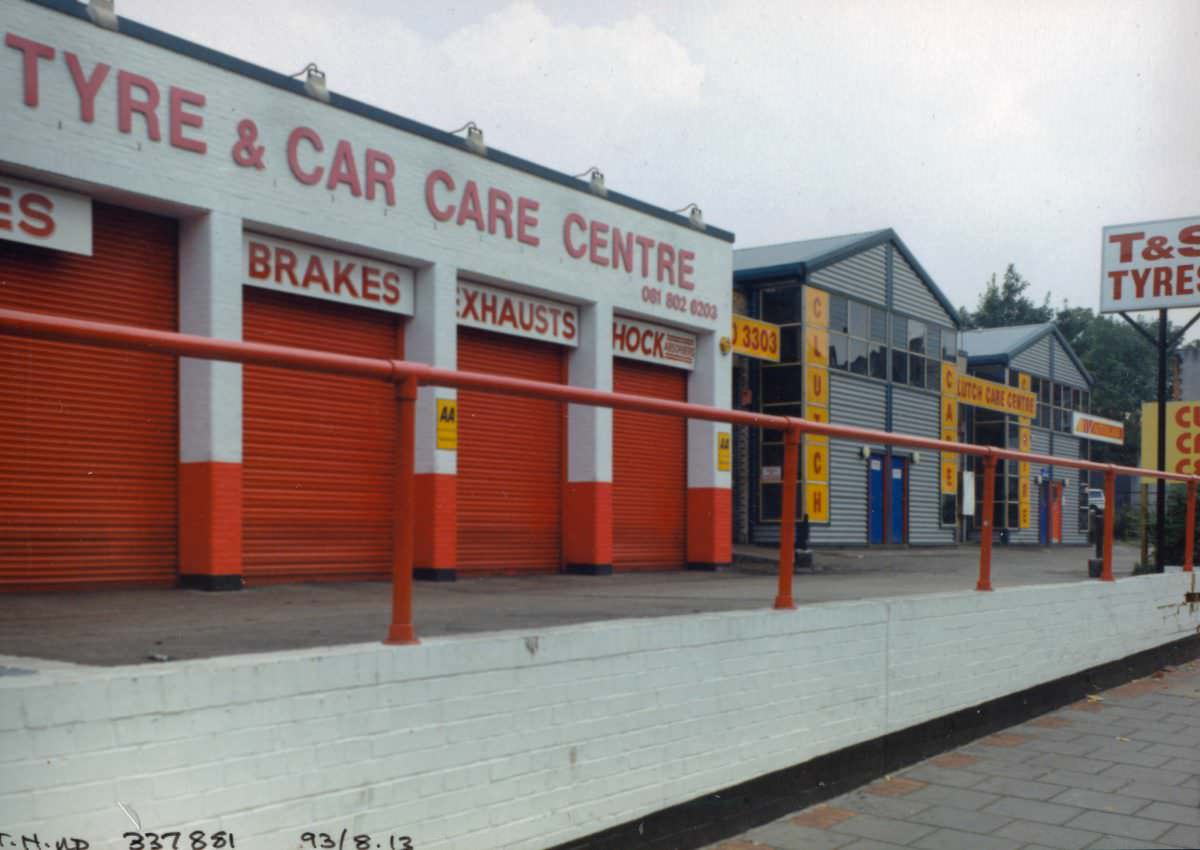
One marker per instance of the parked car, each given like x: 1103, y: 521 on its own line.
x: 1095, y: 499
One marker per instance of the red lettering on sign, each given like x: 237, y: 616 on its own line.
x: 341, y: 278
x: 178, y: 119
x: 1126, y: 241
x: 86, y: 86
x: 285, y: 263
x: 342, y: 171
x: 391, y: 288
x: 381, y: 171
x: 574, y: 220
x: 1162, y: 281
x: 1190, y: 236
x: 500, y: 207
x: 259, y: 261
x: 32, y: 52
x: 314, y: 274
x: 36, y: 208
x: 298, y: 135
x: 527, y: 221
x: 666, y: 263
x: 434, y: 178
x: 469, y: 209
x: 686, y: 269
x: 127, y: 103
x: 622, y: 255
x: 597, y: 242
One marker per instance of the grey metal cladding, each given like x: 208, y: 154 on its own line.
x: 1065, y: 370
x: 916, y: 412
x: 857, y: 401
x: 847, y: 497
x: 1036, y: 359
x: 1067, y: 446
x: 1041, y: 441
x: 862, y: 276
x: 912, y: 297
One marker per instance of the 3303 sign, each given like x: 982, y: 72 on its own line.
x: 753, y: 338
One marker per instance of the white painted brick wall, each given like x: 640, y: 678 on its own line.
x: 498, y: 741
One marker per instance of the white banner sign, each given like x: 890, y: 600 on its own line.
x: 1151, y: 265
x: 320, y: 273
x: 39, y: 215
x: 516, y: 313
x: 652, y: 343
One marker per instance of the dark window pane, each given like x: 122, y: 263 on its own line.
x: 877, y: 354
x: 1044, y: 393
x: 1057, y: 419
x: 949, y: 506
x: 838, y: 321
x: 860, y: 320
x: 916, y: 336
x: 1058, y: 395
x: 998, y: 513
x: 933, y: 374
x: 1043, y: 416
x: 790, y: 345
x: 838, y: 351
x: 1075, y: 399
x: 949, y: 344
x: 858, y: 357
x: 916, y: 370
x: 1014, y: 434
x: 1085, y: 400
x: 878, y: 324
x: 933, y: 341
x: 781, y: 306
x: 772, y: 455
x: 1014, y: 378
x: 770, y: 504
x: 899, y: 332
x: 899, y: 366
x: 1014, y: 516
x: 782, y: 383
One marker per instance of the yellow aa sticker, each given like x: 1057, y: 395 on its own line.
x: 724, y: 450
x: 816, y: 382
x: 816, y: 461
x: 816, y: 308
x: 949, y: 476
x: 816, y: 502
x: 447, y: 424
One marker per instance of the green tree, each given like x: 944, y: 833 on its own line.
x: 1004, y: 302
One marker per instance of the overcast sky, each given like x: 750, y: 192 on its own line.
x: 984, y: 133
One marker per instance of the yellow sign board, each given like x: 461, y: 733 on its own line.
x: 816, y: 347
x: 816, y: 502
x: 1183, y: 437
x: 724, y: 450
x: 999, y: 397
x: 816, y: 462
x: 949, y: 474
x: 447, y: 424
x: 756, y: 339
x: 816, y: 308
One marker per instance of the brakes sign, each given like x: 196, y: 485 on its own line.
x: 1151, y: 265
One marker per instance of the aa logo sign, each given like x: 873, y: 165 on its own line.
x: 724, y: 450
x: 447, y: 424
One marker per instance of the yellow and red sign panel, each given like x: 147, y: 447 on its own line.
x: 1183, y: 436
x: 949, y: 429
x: 756, y: 339
x: 999, y: 397
x: 816, y: 402
x: 1098, y: 428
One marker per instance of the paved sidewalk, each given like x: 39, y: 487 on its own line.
x: 1121, y: 770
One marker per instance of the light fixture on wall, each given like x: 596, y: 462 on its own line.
x: 726, y: 345
x: 866, y: 452
x: 695, y: 216
x: 474, y: 137
x: 597, y: 181
x: 103, y: 13
x: 916, y: 457
x: 314, y: 82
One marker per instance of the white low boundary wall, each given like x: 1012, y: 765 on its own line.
x: 526, y: 740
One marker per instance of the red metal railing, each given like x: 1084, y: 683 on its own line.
x: 408, y: 376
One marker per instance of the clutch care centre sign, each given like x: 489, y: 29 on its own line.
x: 1151, y: 265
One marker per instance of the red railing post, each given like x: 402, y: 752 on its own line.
x: 1110, y: 491
x: 985, y: 533
x: 787, y: 519
x: 1189, y: 536
x: 401, y: 630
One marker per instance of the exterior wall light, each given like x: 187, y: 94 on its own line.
x: 314, y: 82
x: 726, y: 345
x: 695, y: 216
x: 474, y: 137
x: 103, y: 13
x: 597, y: 181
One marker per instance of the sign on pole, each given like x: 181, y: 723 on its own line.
x: 1151, y: 265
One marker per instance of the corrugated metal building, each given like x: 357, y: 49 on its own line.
x: 887, y: 333
x: 1058, y: 511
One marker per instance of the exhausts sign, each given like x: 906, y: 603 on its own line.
x: 1151, y: 265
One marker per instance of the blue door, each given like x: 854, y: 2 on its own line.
x: 875, y: 499
x: 897, y: 500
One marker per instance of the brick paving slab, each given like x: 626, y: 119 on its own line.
x: 1017, y: 809
x: 1127, y: 779
x: 1123, y: 826
x: 782, y: 835
x: 960, y: 819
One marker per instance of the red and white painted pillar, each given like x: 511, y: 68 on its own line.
x: 433, y: 339
x: 709, y: 505
x: 588, y: 512
x: 210, y: 406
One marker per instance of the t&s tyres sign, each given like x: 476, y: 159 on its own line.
x: 1152, y: 265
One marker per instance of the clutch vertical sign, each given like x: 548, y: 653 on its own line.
x: 816, y: 403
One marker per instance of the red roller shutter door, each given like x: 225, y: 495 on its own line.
x: 318, y: 463
x: 649, y: 471
x: 510, y: 458
x: 89, y: 453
